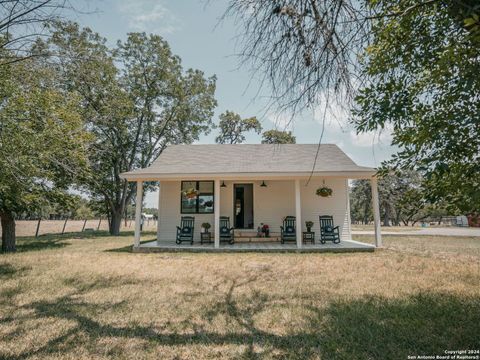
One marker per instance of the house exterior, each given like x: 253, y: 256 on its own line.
x: 252, y: 185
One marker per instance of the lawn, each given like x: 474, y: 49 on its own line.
x: 75, y: 297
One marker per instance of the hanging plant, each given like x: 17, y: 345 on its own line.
x: 190, y: 193
x: 324, y: 191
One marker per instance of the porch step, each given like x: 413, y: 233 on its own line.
x: 247, y: 236
x: 243, y: 239
x: 247, y: 233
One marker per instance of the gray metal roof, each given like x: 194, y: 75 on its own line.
x: 177, y: 160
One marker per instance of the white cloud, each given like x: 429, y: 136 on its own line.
x: 282, y: 121
x: 383, y: 137
x: 334, y: 116
x: 151, y: 16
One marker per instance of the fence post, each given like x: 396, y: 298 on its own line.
x: 84, y: 223
x: 64, y: 224
x: 38, y: 227
x: 99, y: 222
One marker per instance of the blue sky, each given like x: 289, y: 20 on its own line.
x: 194, y: 32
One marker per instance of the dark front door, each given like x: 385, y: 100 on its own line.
x: 243, y: 206
x: 239, y: 207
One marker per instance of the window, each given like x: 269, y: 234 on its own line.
x: 197, y: 197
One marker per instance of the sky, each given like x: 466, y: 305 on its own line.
x: 195, y: 33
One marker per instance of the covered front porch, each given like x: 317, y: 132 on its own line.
x: 272, y: 199
x: 244, y: 188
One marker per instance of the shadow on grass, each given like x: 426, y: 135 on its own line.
x: 128, y: 248
x: 425, y: 324
x: 365, y: 328
x: 56, y: 241
x: 8, y: 271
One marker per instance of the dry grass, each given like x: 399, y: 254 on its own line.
x: 83, y: 298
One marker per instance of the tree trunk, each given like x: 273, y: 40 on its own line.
x: 386, y: 218
x: 8, y: 232
x: 115, y: 221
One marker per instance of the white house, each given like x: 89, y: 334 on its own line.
x: 252, y: 184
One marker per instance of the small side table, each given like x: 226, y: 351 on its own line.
x: 308, y: 236
x: 206, y: 238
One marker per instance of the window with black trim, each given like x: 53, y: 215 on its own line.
x: 197, y: 197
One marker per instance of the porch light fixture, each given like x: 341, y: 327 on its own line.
x: 223, y: 184
x: 263, y: 184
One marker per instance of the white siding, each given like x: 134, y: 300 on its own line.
x: 337, y: 205
x: 170, y: 213
x: 271, y: 205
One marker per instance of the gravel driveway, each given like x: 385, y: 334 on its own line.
x: 446, y: 231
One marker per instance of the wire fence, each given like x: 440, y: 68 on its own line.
x: 43, y: 227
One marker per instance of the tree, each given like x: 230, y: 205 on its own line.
x: 42, y: 143
x: 278, y: 137
x: 413, y: 64
x: 232, y: 128
x: 137, y: 100
x: 22, y: 22
x: 303, y: 48
x: 361, y: 201
x: 401, y: 199
x: 428, y: 91
x: 318, y: 43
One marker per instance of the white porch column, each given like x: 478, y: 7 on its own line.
x: 298, y: 213
x: 376, y: 212
x: 138, y: 213
x: 216, y: 209
x: 158, y: 211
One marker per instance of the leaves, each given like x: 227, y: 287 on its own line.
x: 278, y: 137
x: 232, y: 128
x: 136, y: 100
x: 423, y: 81
x: 42, y: 139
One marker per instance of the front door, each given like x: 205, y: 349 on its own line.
x: 243, y: 206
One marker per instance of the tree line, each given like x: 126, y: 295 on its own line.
x: 402, y: 200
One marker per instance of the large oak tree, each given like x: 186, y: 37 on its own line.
x: 423, y: 69
x: 137, y: 99
x: 42, y: 143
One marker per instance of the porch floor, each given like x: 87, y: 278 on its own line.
x: 344, y: 246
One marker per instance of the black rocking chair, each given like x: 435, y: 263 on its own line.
x: 185, y: 230
x: 328, y: 232
x: 288, y: 231
x: 226, y: 232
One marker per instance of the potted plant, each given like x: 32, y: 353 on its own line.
x: 205, y: 227
x: 266, y: 230
x: 309, y: 225
x: 324, y: 191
